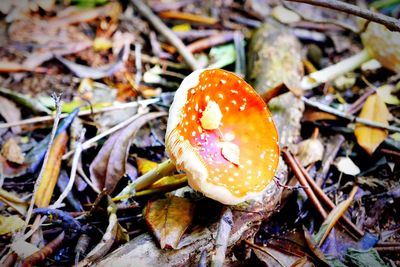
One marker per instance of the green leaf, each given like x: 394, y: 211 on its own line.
x: 364, y: 258
x: 222, y: 56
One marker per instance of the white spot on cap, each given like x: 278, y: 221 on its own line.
x: 230, y: 151
x: 212, y: 116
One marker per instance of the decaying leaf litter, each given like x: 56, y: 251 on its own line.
x: 331, y: 83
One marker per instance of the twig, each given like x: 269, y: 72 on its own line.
x: 349, y: 117
x: 195, y: 34
x: 221, y: 242
x: 44, y: 252
x: 138, y: 64
x: 167, y: 32
x: 75, y: 162
x: 359, y: 103
x: 211, y: 41
x: 240, y: 62
x: 300, y: 177
x: 354, y: 229
x: 57, y: 101
x: 93, y: 140
x: 390, y: 23
x: 81, y: 113
x: 336, y: 214
x: 329, y: 156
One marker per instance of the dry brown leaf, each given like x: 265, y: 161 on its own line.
x: 370, y: 138
x: 51, y: 172
x: 110, y: 163
x: 115, y: 234
x: 12, y: 151
x: 309, y: 151
x: 168, y: 219
x: 10, y: 112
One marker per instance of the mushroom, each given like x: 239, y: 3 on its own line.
x: 380, y: 44
x: 221, y: 134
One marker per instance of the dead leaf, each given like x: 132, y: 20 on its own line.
x: 75, y: 14
x: 168, y: 219
x: 10, y: 112
x: 10, y: 224
x: 12, y: 151
x: 285, y: 15
x: 51, y: 172
x: 109, y: 165
x: 314, y: 115
x: 370, y: 138
x: 25, y: 101
x: 310, y: 150
x: 97, y: 73
x: 385, y: 93
x: 114, y: 234
x: 347, y: 166
x: 10, y: 170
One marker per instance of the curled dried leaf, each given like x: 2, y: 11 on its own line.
x: 368, y: 137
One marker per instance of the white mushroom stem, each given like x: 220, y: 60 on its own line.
x: 316, y: 78
x: 163, y: 169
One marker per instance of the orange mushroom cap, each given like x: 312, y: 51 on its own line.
x: 221, y: 134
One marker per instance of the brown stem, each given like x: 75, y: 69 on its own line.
x: 44, y: 252
x: 321, y: 194
x: 302, y: 180
x: 211, y: 41
x: 390, y: 23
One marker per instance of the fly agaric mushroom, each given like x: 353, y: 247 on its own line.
x: 221, y: 134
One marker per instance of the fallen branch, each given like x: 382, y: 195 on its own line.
x: 390, y: 23
x: 349, y: 117
x: 328, y: 202
x: 302, y: 180
x: 167, y: 32
x: 44, y: 252
x: 81, y: 113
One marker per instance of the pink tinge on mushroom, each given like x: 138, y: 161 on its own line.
x: 222, y: 135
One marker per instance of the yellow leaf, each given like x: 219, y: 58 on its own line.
x: 101, y: 44
x: 185, y: 27
x: 51, y: 172
x: 10, y: 224
x: 369, y: 138
x: 169, y: 180
x: 145, y: 165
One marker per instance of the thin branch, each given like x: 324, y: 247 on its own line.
x: 328, y: 202
x: 87, y: 144
x: 167, y: 32
x: 302, y: 180
x: 390, y: 23
x: 44, y: 252
x: 57, y: 101
x: 138, y: 64
x: 75, y: 163
x: 349, y: 116
x: 81, y: 113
